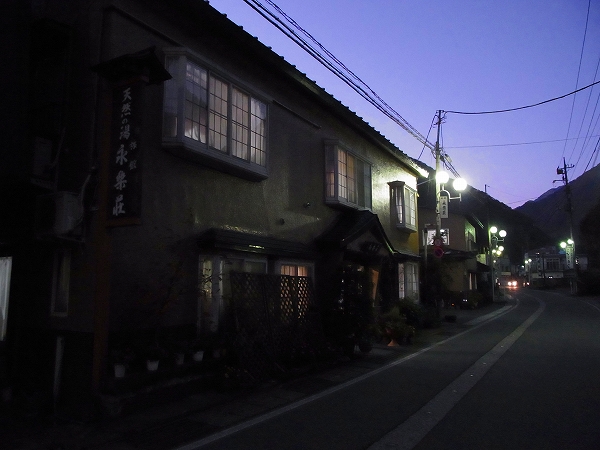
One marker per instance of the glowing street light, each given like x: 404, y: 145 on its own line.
x: 442, y: 196
x: 496, y: 236
x: 569, y: 247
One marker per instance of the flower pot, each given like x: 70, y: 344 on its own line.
x: 198, y: 355
x: 152, y: 365
x: 119, y: 370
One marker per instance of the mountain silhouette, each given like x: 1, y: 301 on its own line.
x: 549, y: 211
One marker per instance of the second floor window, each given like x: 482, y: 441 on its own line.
x: 347, y: 178
x: 403, y: 202
x: 211, y: 116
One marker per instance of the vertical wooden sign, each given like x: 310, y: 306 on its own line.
x: 125, y: 168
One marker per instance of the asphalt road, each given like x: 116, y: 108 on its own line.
x: 526, y: 379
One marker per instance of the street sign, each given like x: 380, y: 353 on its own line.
x: 432, y: 233
x: 438, y: 252
x: 437, y: 242
x: 443, y: 207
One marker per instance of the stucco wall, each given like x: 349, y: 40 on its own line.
x: 181, y: 199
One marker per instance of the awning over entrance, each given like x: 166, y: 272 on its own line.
x: 218, y: 239
x: 458, y: 255
x: 361, y: 231
x: 482, y: 267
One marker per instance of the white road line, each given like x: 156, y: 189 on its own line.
x: 591, y: 304
x: 490, y: 315
x: 415, y: 428
x: 277, y: 412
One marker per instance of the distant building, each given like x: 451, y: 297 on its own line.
x: 545, y: 264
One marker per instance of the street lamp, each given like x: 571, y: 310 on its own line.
x: 496, y: 236
x: 569, y: 247
x: 528, y: 270
x: 442, y: 196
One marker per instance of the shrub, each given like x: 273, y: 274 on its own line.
x: 413, y: 312
x: 393, y: 324
x: 474, y: 298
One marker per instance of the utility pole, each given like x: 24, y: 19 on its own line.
x: 489, y: 236
x: 565, y: 178
x: 438, y: 217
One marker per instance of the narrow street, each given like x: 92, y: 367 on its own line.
x: 524, y: 379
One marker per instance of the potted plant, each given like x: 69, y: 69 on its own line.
x: 197, y: 348
x: 121, y: 358
x: 178, y: 350
x: 153, y: 355
x: 394, y: 326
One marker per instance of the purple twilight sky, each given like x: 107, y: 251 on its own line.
x: 461, y: 55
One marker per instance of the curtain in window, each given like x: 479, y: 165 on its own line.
x: 408, y: 281
x: 398, y: 203
x: 410, y: 198
x: 217, y: 118
x: 240, y: 129
x: 195, y: 114
x: 258, y: 133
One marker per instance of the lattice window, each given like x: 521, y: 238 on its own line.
x: 208, y: 115
x: 272, y: 334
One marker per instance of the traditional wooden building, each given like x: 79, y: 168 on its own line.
x: 152, y: 150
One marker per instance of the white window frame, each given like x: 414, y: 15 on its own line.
x: 211, y: 290
x: 403, y: 205
x: 348, y: 177
x: 223, y: 134
x: 408, y: 280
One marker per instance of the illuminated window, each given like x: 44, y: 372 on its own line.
x: 295, y: 270
x: 294, y: 292
x: 214, y: 285
x: 347, y: 178
x: 403, y: 202
x: 408, y: 280
x: 211, y: 117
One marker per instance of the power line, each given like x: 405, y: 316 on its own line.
x: 587, y: 138
x: 524, y: 107
x: 333, y: 64
x: 593, y: 156
x: 587, y: 19
x: 519, y: 143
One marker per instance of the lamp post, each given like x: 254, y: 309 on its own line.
x: 442, y: 196
x: 569, y: 248
x: 441, y: 204
x: 496, y: 236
